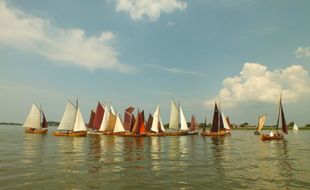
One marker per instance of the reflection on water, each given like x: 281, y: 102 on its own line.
x: 239, y: 161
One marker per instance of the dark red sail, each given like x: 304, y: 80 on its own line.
x: 91, y: 119
x: 284, y: 126
x: 44, y: 121
x: 149, y: 123
x: 141, y: 123
x: 128, y: 118
x: 193, y: 124
x: 215, y: 123
x: 99, y: 116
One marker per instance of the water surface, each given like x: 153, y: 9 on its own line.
x: 239, y: 161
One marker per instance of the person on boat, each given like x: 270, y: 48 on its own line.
x: 271, y: 134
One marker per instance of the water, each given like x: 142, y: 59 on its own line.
x: 239, y: 161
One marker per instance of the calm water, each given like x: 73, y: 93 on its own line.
x: 241, y: 161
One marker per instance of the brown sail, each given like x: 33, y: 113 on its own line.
x: 91, y: 119
x: 149, y: 123
x: 215, y: 124
x: 98, y: 116
x: 128, y: 116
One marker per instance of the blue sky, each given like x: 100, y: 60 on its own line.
x: 142, y: 53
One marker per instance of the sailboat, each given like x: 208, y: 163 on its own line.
x: 157, y: 127
x: 33, y: 122
x: 149, y: 123
x: 280, y: 122
x: 295, y: 127
x: 193, y: 129
x: 90, y: 124
x: 72, y: 123
x: 129, y: 119
x: 97, y: 120
x: 260, y: 124
x: 111, y: 121
x: 176, y: 113
x: 138, y: 129
x: 217, y: 128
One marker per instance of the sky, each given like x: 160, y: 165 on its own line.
x: 143, y: 53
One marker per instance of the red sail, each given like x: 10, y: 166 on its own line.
x: 91, y: 119
x: 149, y: 123
x: 141, y: 122
x: 44, y: 122
x: 193, y: 124
x: 128, y: 118
x: 215, y: 123
x: 99, y: 116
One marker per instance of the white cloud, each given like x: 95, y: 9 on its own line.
x: 174, y: 70
x: 152, y: 9
x: 23, y: 31
x: 302, y: 52
x: 257, y: 83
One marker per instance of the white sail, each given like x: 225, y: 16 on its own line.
x: 154, y: 127
x: 225, y: 123
x: 295, y: 127
x: 79, y: 124
x: 105, y: 118
x: 261, y: 122
x: 184, y: 126
x: 174, y: 116
x: 68, y: 118
x: 118, y: 125
x: 161, y: 124
x: 112, y: 110
x: 33, y: 119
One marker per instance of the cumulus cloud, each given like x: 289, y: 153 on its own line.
x: 152, y: 9
x: 256, y: 83
x: 24, y: 31
x: 302, y: 52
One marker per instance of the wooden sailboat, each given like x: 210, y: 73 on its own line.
x: 111, y: 121
x: 260, y: 124
x: 33, y: 122
x: 149, y: 122
x: 176, y: 113
x: 138, y: 129
x: 97, y: 120
x: 193, y: 129
x: 217, y: 128
x: 72, y: 123
x: 157, y: 127
x: 280, y: 122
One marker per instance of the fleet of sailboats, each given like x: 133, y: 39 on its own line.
x: 35, y: 121
x: 107, y: 122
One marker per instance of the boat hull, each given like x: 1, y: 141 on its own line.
x: 266, y: 137
x: 193, y: 133
x: 177, y: 133
x: 213, y: 134
x: 94, y: 132
x: 36, y: 131
x: 131, y: 135
x: 71, y: 134
x: 156, y: 134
